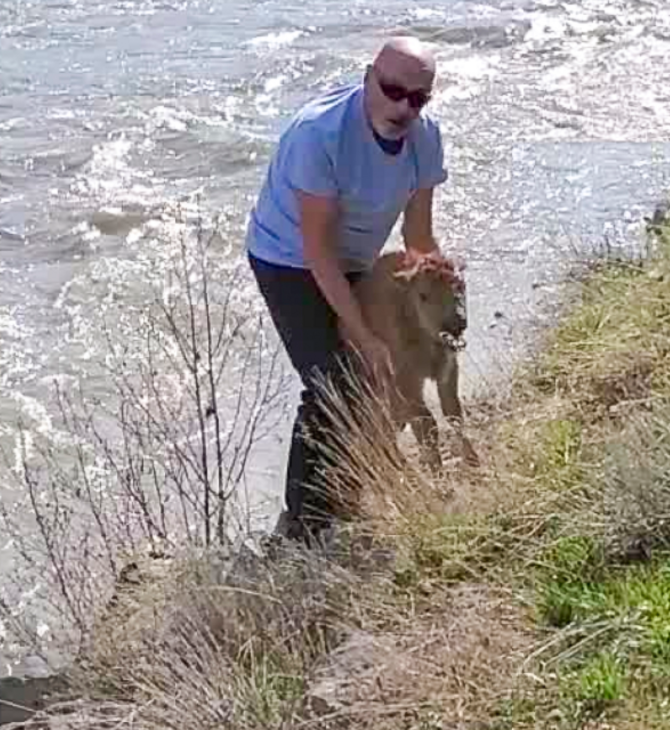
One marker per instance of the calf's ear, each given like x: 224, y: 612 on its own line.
x: 409, y: 267
x: 404, y: 276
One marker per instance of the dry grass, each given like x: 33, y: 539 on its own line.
x: 299, y: 643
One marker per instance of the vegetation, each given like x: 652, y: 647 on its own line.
x: 532, y: 592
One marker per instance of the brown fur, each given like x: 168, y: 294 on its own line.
x: 411, y: 302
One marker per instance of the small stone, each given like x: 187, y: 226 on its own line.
x: 322, y: 700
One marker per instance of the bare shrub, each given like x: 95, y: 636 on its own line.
x: 156, y: 462
x: 636, y: 488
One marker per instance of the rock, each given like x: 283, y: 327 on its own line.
x: 349, y: 670
x: 118, y: 221
x: 659, y: 219
x: 20, y: 699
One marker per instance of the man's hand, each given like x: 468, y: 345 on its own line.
x: 374, y: 353
x: 378, y: 359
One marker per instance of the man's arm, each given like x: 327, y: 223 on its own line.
x: 417, y: 227
x: 318, y: 220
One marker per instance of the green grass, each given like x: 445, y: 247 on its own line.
x: 598, y: 439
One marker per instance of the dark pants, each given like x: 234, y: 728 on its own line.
x: 308, y: 328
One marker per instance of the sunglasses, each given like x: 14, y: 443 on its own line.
x: 417, y: 99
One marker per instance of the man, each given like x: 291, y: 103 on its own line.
x: 348, y: 165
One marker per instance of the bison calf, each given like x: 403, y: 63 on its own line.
x: 416, y: 304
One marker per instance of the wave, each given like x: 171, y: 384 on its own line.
x: 476, y: 33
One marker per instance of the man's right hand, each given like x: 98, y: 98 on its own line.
x: 377, y: 358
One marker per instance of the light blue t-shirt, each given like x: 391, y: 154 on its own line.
x: 329, y: 149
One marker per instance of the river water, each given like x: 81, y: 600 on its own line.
x: 555, y: 115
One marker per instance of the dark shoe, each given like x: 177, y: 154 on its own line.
x: 287, y: 533
x: 310, y: 532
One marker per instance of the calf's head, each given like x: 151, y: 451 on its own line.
x: 434, y: 291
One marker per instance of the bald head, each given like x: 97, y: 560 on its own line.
x: 406, y: 56
x: 398, y: 84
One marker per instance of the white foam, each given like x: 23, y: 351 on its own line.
x: 9, y: 326
x: 545, y: 28
x: 264, y: 106
x: 426, y: 13
x: 168, y: 118
x: 276, y: 40
x: 456, y: 93
x: 13, y: 123
x: 275, y: 82
x: 34, y: 410
x: 107, y: 171
x: 471, y: 67
x: 134, y: 236
x: 62, y: 114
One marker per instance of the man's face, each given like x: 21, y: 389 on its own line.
x: 396, y: 93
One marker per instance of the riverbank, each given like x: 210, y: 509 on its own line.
x: 529, y: 593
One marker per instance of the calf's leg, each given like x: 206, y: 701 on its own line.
x: 421, y: 420
x: 447, y: 388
